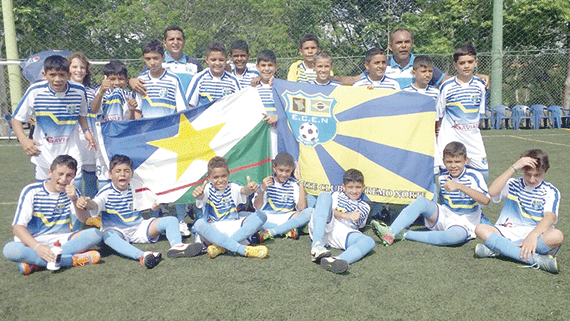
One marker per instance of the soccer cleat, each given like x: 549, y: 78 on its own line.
x: 26, y: 268
x: 184, y: 231
x: 334, y: 264
x: 383, y: 232
x: 546, y: 262
x: 318, y: 251
x: 293, y: 234
x: 87, y: 257
x: 264, y: 236
x: 150, y: 259
x: 184, y: 250
x: 214, y: 250
x: 258, y: 251
x: 482, y: 251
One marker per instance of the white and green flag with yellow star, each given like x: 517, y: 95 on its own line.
x: 170, y: 154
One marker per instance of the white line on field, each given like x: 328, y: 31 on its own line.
x: 538, y: 141
x: 8, y: 203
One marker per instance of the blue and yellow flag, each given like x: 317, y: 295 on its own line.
x: 387, y: 135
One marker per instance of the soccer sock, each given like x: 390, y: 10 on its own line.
x: 502, y: 245
x: 452, y: 236
x: 91, y: 186
x: 169, y: 225
x: 541, y: 247
x: 421, y: 206
x: 114, y: 241
x: 321, y: 214
x: 311, y: 200
x: 18, y: 252
x: 181, y: 212
x: 208, y: 232
x: 294, y: 222
x: 357, y: 246
x: 84, y: 241
x: 269, y: 226
x: 250, y: 225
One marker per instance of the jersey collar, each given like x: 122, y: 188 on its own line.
x: 394, y: 64
x: 182, y: 60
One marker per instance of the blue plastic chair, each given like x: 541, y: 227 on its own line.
x: 8, y: 118
x: 557, y: 118
x: 538, y: 114
x: 487, y: 119
x: 519, y: 114
x: 501, y: 112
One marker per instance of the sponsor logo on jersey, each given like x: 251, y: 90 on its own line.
x: 55, y: 140
x: 71, y: 109
x: 163, y: 93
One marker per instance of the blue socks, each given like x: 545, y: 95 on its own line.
x: 208, y: 232
x: 420, y: 207
x: 452, y: 236
x: 508, y: 248
x: 121, y: 246
x: 321, y: 214
x: 357, y: 246
x: 251, y: 224
x: 303, y: 218
x: 169, y: 225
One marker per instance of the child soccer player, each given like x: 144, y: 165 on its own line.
x: 43, y: 217
x: 525, y: 229
x: 239, y: 53
x: 323, y: 69
x: 423, y: 73
x: 282, y: 198
x: 122, y: 226
x: 303, y: 70
x: 267, y: 65
x: 336, y: 221
x: 458, y: 108
x: 462, y: 190
x: 375, y: 64
x: 112, y: 100
x: 58, y: 104
x: 221, y: 224
x: 214, y: 82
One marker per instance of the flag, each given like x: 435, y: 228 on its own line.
x: 170, y: 154
x: 388, y: 135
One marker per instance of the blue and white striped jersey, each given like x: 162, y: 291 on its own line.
x: 329, y: 83
x: 185, y: 68
x: 342, y: 203
x: 524, y: 205
x: 266, y: 94
x: 114, y: 104
x: 116, y: 208
x: 459, y: 202
x: 43, y: 212
x: 221, y: 205
x: 165, y: 95
x: 403, y: 74
x: 300, y: 73
x: 429, y: 91
x: 384, y: 83
x: 245, y: 78
x: 205, y: 88
x: 281, y: 198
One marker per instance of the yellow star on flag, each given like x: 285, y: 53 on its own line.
x: 190, y: 144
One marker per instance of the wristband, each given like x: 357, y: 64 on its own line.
x: 514, y: 169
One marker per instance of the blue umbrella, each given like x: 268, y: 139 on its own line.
x: 33, y: 66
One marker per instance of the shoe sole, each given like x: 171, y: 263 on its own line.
x: 320, y: 256
x: 152, y: 261
x: 337, y: 266
x: 191, y: 250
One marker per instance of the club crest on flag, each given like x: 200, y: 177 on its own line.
x: 311, y: 117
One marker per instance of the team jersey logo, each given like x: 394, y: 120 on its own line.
x: 71, y: 109
x: 475, y: 98
x: 163, y: 93
x: 311, y: 117
x: 226, y: 91
x: 536, y: 203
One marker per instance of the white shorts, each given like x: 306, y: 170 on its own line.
x: 136, y: 234
x: 446, y: 219
x: 517, y: 234
x: 279, y: 219
x: 50, y: 239
x: 227, y: 227
x: 336, y: 233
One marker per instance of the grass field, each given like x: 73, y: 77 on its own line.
x: 407, y: 281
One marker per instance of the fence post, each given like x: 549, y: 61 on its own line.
x: 497, y: 55
x: 12, y: 53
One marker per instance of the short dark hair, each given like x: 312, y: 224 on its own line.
x: 353, y: 175
x: 56, y: 62
x: 373, y: 52
x: 308, y: 37
x: 153, y: 45
x: 284, y: 159
x: 81, y: 56
x: 540, y: 157
x: 217, y: 162
x: 216, y: 46
x: 66, y: 160
x: 115, y: 67
x: 323, y: 55
x: 120, y: 159
x: 422, y: 61
x: 398, y: 30
x: 466, y: 49
x: 266, y: 55
x: 454, y: 149
x: 174, y: 28
x: 239, y: 44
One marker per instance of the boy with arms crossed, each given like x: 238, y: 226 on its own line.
x: 375, y: 64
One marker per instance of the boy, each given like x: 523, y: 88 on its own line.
x: 267, y: 65
x: 525, y: 229
x: 214, y: 82
x: 323, y: 69
x: 423, y: 74
x: 375, y: 64
x: 303, y: 70
x: 112, y: 100
x: 58, y: 105
x: 282, y: 198
x: 122, y: 226
x: 221, y: 224
x: 458, y: 108
x: 239, y: 53
x: 462, y: 191
x: 336, y: 221
x: 43, y: 217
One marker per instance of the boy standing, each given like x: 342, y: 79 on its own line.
x: 112, y: 101
x: 239, y: 53
x: 267, y: 65
x: 336, y: 221
x: 214, y: 82
x: 525, y: 229
x: 303, y: 70
x: 43, y: 217
x: 423, y: 74
x: 323, y: 69
x: 122, y: 226
x: 458, y: 108
x: 283, y: 200
x: 462, y: 191
x: 58, y: 104
x: 221, y: 224
x: 375, y: 64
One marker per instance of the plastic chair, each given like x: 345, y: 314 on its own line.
x: 8, y: 118
x: 557, y: 118
x: 501, y: 112
x: 538, y: 114
x: 487, y: 119
x: 520, y: 112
